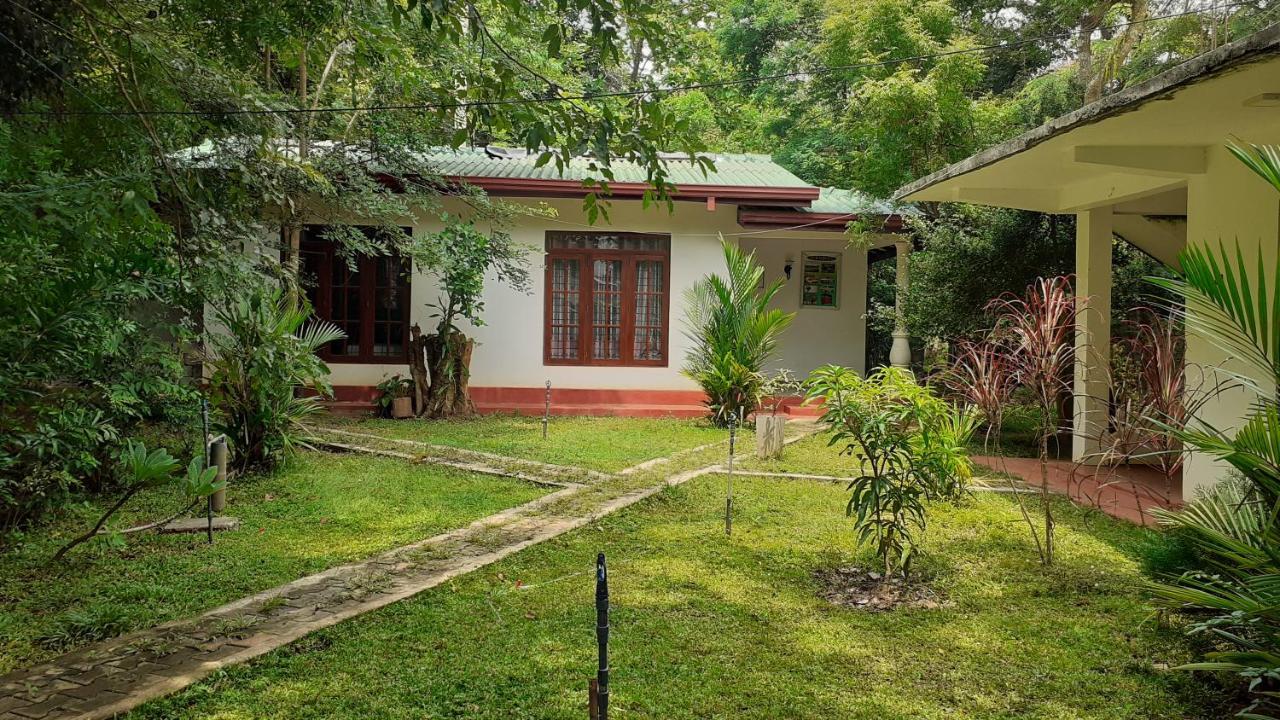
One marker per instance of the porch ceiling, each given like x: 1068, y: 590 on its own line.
x: 1134, y: 149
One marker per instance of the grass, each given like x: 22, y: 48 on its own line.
x: 320, y: 511
x: 607, y: 444
x: 706, y: 626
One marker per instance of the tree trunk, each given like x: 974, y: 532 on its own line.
x: 418, y: 369
x: 449, y: 362
x: 769, y: 435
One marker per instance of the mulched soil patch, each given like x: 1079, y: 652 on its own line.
x: 861, y: 589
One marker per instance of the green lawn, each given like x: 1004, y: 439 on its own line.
x: 706, y: 626
x: 322, y: 510
x: 607, y: 444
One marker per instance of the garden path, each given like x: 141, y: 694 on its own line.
x: 113, y: 676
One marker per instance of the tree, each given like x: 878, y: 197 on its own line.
x: 289, y: 106
x: 461, y: 256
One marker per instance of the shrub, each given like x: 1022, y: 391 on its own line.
x: 143, y: 469
x: 909, y: 445
x: 733, y: 334
x: 263, y: 354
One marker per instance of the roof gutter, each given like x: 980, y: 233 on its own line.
x: 558, y: 188
x: 837, y: 222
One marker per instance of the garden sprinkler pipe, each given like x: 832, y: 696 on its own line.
x: 602, y: 637
x: 546, y: 411
x: 728, y: 499
x: 218, y: 456
x: 204, y: 416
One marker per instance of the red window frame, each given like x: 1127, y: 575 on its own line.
x: 657, y: 248
x: 318, y: 258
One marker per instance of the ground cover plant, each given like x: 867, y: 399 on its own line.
x: 709, y: 626
x: 319, y: 511
x: 607, y: 444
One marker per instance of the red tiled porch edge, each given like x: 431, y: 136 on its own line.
x: 1128, y: 492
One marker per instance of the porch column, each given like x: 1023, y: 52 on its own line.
x: 900, y: 354
x: 1093, y: 330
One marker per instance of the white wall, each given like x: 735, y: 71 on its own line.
x: 509, y: 345
x: 817, y: 336
x: 1227, y: 203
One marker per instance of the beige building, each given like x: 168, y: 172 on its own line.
x: 1149, y: 165
x: 603, y: 319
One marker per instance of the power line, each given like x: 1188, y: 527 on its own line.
x: 586, y: 97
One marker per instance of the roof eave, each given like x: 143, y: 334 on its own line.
x: 1226, y: 58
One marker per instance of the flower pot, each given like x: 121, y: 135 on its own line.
x: 402, y: 407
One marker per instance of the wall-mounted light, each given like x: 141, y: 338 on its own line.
x: 786, y: 269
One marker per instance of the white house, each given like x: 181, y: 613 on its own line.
x: 1148, y: 164
x: 603, y: 321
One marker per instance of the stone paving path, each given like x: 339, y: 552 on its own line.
x: 114, y: 676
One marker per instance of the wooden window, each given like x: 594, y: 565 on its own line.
x: 821, y: 280
x: 367, y: 296
x: 608, y: 298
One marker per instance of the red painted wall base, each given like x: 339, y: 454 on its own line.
x: 355, y: 400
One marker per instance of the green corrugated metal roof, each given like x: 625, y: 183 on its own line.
x: 840, y: 201
x: 741, y: 170
x: 732, y: 169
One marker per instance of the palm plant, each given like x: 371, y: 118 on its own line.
x: 733, y: 332
x: 264, y: 353
x: 1236, y: 306
x: 1037, y: 329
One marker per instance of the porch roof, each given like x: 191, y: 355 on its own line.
x: 1136, y: 146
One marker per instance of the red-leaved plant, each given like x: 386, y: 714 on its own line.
x: 1037, y: 331
x: 983, y: 374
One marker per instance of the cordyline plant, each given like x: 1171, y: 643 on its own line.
x: 983, y: 375
x: 1037, y: 330
x: 1153, y: 395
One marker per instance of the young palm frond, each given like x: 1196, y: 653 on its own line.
x: 732, y: 333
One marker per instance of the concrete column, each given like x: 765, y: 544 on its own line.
x: 1093, y: 331
x: 900, y: 354
x: 1230, y: 205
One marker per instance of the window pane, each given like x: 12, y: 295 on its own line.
x: 821, y: 280
x: 344, y: 301
x: 565, y: 298
x: 649, y: 311
x: 390, y: 299
x: 606, y: 316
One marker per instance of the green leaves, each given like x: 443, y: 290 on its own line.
x: 147, y: 468
x: 199, y: 481
x: 909, y: 446
x: 1235, y: 528
x: 265, y: 352
x: 733, y: 332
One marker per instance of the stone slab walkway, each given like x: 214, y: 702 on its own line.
x: 114, y: 676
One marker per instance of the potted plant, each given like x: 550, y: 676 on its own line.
x: 395, y: 397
